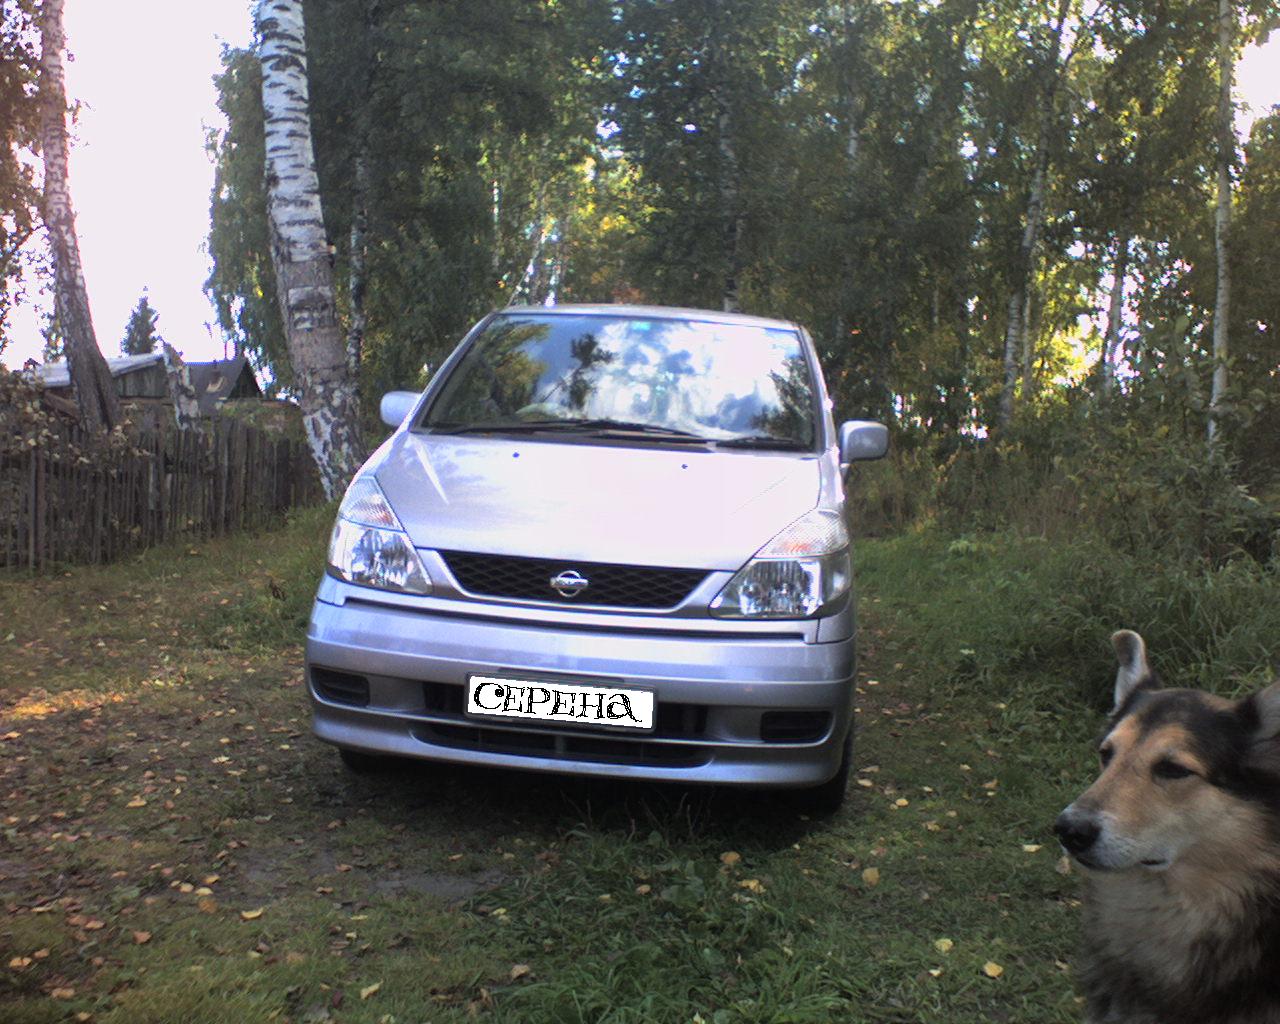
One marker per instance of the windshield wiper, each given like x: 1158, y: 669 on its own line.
x: 517, y: 427
x: 615, y: 428
x: 763, y: 442
x: 592, y: 427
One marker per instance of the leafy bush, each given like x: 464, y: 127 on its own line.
x: 1002, y: 606
x: 1139, y: 483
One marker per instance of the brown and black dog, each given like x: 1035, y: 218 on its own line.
x: 1179, y: 839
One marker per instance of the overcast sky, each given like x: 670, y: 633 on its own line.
x: 140, y: 177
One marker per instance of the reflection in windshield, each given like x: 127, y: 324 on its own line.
x: 716, y: 381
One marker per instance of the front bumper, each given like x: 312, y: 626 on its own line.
x: 733, y: 708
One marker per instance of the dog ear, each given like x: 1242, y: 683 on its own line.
x: 1134, y: 671
x: 1266, y: 705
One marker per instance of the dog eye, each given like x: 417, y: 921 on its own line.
x: 1170, y: 770
x: 1105, y: 754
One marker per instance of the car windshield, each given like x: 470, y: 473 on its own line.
x: 660, y: 379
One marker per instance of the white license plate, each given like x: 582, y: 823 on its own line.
x: 543, y: 700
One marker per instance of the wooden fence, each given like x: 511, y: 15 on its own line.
x: 60, y: 505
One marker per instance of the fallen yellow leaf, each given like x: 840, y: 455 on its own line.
x: 752, y: 885
x: 141, y: 938
x: 207, y: 905
x: 251, y: 915
x: 63, y: 993
x: 730, y: 858
x: 871, y: 876
x: 520, y: 971
x: 370, y: 990
x: 137, y: 801
x: 992, y: 969
x: 1031, y: 847
x: 944, y: 946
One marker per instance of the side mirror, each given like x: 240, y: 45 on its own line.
x: 863, y: 440
x: 396, y: 405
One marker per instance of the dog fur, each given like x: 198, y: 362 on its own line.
x: 1179, y: 842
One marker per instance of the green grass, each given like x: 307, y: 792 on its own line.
x: 159, y: 780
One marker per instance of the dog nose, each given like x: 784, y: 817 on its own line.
x: 1075, y: 833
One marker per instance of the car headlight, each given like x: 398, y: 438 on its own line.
x: 370, y: 547
x: 802, y: 570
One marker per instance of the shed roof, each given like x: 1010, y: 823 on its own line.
x: 217, y: 380
x: 58, y: 374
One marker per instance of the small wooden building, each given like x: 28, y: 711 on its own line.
x: 143, y: 377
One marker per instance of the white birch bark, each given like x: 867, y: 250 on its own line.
x: 1015, y: 339
x: 1015, y: 336
x: 91, y: 382
x: 186, y: 402
x: 300, y: 251
x: 1115, y: 317
x: 853, y: 103
x: 1222, y: 215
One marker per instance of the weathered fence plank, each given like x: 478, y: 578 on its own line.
x: 55, y: 509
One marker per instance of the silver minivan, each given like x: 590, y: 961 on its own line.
x: 608, y: 541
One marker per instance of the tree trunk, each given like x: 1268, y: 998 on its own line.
x: 1016, y: 323
x: 91, y: 382
x: 356, y: 272
x: 186, y: 402
x: 730, y: 201
x: 852, y: 100
x: 1115, y: 318
x: 300, y: 252
x: 1028, y: 349
x: 357, y: 268
x: 1015, y: 341
x: 1222, y: 214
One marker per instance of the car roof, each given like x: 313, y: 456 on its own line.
x: 653, y: 313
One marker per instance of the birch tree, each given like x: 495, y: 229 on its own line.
x: 91, y: 382
x: 1016, y: 326
x: 1222, y: 212
x: 300, y: 253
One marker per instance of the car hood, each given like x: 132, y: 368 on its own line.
x: 591, y: 502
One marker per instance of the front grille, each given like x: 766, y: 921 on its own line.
x: 564, y: 746
x: 529, y: 579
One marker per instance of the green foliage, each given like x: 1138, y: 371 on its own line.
x: 272, y: 608
x: 473, y: 125
x: 242, y: 282
x: 865, y: 169
x: 1002, y: 604
x: 1140, y: 482
x: 140, y: 334
x: 19, y: 123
